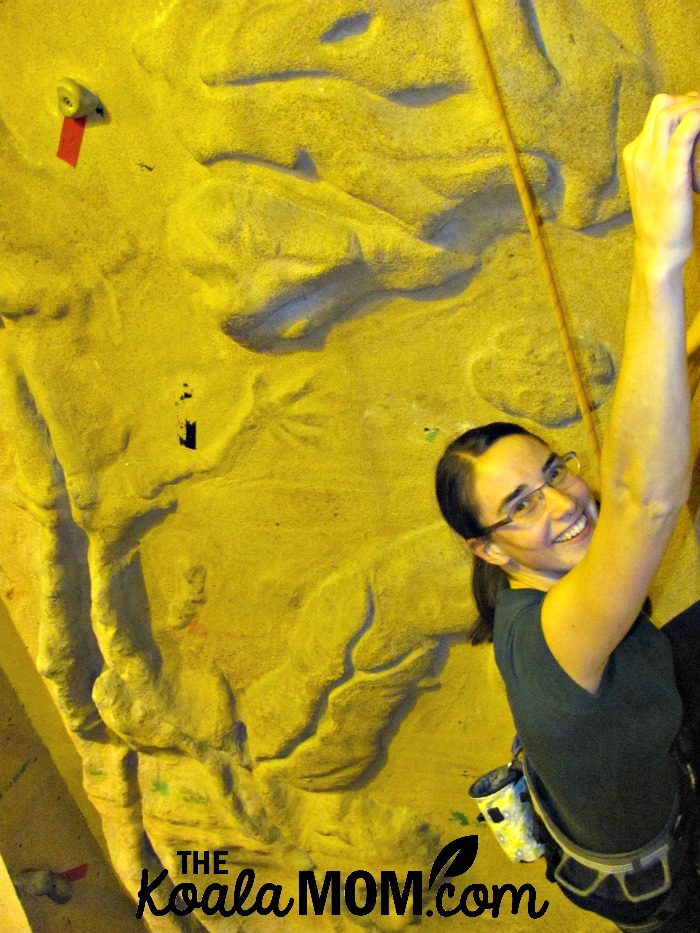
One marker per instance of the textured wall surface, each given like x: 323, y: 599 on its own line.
x: 289, y: 264
x: 41, y: 828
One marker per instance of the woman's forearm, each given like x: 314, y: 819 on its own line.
x: 646, y: 453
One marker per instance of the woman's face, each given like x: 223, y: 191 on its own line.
x: 540, y: 552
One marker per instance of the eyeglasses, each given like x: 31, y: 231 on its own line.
x: 527, y: 509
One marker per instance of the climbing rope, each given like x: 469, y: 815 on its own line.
x: 533, y: 223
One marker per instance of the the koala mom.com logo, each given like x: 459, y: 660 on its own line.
x: 359, y: 893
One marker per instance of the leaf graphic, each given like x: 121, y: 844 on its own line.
x: 462, y: 851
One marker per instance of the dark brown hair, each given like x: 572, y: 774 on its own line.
x: 454, y: 487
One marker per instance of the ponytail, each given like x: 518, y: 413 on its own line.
x: 487, y: 581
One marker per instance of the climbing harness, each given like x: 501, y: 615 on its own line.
x: 512, y: 801
x: 641, y: 874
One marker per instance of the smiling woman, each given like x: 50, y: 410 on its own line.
x: 473, y: 460
x: 598, y: 694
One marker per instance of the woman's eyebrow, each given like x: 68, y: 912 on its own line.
x: 522, y: 487
x: 511, y: 496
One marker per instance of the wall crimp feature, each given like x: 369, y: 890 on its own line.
x: 535, y: 394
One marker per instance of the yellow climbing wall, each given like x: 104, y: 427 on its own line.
x: 288, y: 264
x: 46, y: 821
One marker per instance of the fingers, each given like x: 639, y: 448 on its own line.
x: 657, y: 165
x: 684, y: 136
x: 658, y: 103
x: 668, y: 117
x: 670, y: 129
x: 663, y: 117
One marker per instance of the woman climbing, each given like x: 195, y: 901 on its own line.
x: 598, y: 694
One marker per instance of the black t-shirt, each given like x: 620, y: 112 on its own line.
x: 604, y: 758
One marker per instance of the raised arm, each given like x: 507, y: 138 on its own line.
x: 645, y: 467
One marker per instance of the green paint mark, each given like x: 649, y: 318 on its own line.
x: 194, y: 798
x: 95, y: 772
x: 13, y: 780
x: 431, y: 434
x: 160, y: 787
x: 460, y: 818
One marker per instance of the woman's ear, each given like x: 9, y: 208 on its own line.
x: 488, y: 550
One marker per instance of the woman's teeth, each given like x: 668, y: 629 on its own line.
x: 575, y: 529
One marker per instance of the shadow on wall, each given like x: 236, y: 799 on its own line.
x: 333, y: 178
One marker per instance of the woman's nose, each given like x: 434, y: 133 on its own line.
x: 559, y: 502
